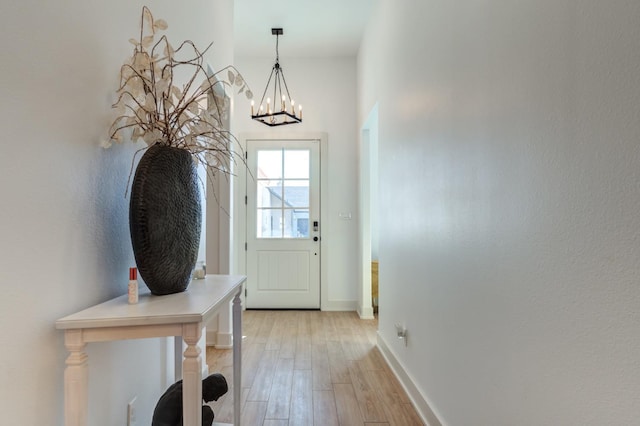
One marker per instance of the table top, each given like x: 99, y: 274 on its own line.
x: 201, y: 298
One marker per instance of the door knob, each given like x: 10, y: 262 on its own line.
x: 315, y: 238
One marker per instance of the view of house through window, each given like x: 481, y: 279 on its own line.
x: 283, y: 193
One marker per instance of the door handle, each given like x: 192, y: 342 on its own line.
x: 315, y: 238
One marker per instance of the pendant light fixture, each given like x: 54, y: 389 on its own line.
x: 280, y: 109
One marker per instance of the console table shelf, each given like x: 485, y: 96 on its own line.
x: 182, y: 315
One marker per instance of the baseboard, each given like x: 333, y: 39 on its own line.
x: 224, y: 341
x: 420, y: 403
x: 365, y: 312
x: 219, y: 340
x: 340, y: 305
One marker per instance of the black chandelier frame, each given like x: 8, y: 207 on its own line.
x: 281, y: 117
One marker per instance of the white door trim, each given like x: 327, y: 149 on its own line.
x: 239, y: 213
x: 367, y: 209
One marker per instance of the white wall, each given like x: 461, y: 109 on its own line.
x: 326, y: 89
x: 64, y: 240
x: 509, y: 227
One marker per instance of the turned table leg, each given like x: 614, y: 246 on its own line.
x: 76, y: 380
x: 237, y: 358
x: 192, y: 376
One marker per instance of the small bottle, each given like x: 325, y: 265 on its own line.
x: 133, y: 286
x: 200, y: 271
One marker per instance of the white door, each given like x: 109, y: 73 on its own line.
x: 283, y: 224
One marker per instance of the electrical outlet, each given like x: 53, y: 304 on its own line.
x: 131, y: 412
x: 401, y: 330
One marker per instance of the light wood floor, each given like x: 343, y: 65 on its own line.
x: 311, y: 368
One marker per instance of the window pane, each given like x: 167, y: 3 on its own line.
x: 283, y: 196
x: 269, y: 164
x: 269, y: 193
x: 296, y: 193
x: 269, y: 223
x: 296, y: 164
x: 296, y: 223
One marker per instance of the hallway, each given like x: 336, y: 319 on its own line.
x: 311, y: 368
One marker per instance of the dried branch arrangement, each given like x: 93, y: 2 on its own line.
x: 151, y: 107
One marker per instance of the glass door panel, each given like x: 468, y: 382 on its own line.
x: 283, y: 197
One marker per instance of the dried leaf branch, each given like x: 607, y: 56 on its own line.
x: 151, y: 107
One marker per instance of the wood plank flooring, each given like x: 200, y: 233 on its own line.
x: 305, y: 368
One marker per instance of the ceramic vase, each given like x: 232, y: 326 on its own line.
x: 165, y: 218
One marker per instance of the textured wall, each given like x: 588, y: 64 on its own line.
x: 64, y: 238
x: 509, y: 226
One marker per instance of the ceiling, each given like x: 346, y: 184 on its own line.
x: 311, y: 27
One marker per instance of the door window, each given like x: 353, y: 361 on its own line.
x: 283, y: 198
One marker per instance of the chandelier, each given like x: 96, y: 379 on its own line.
x: 281, y: 109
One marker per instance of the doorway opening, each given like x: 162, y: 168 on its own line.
x: 368, y: 294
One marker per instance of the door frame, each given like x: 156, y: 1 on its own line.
x: 239, y: 213
x: 368, y: 210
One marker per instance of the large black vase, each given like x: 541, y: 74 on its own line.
x: 165, y: 218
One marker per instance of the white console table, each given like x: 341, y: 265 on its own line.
x: 181, y: 314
